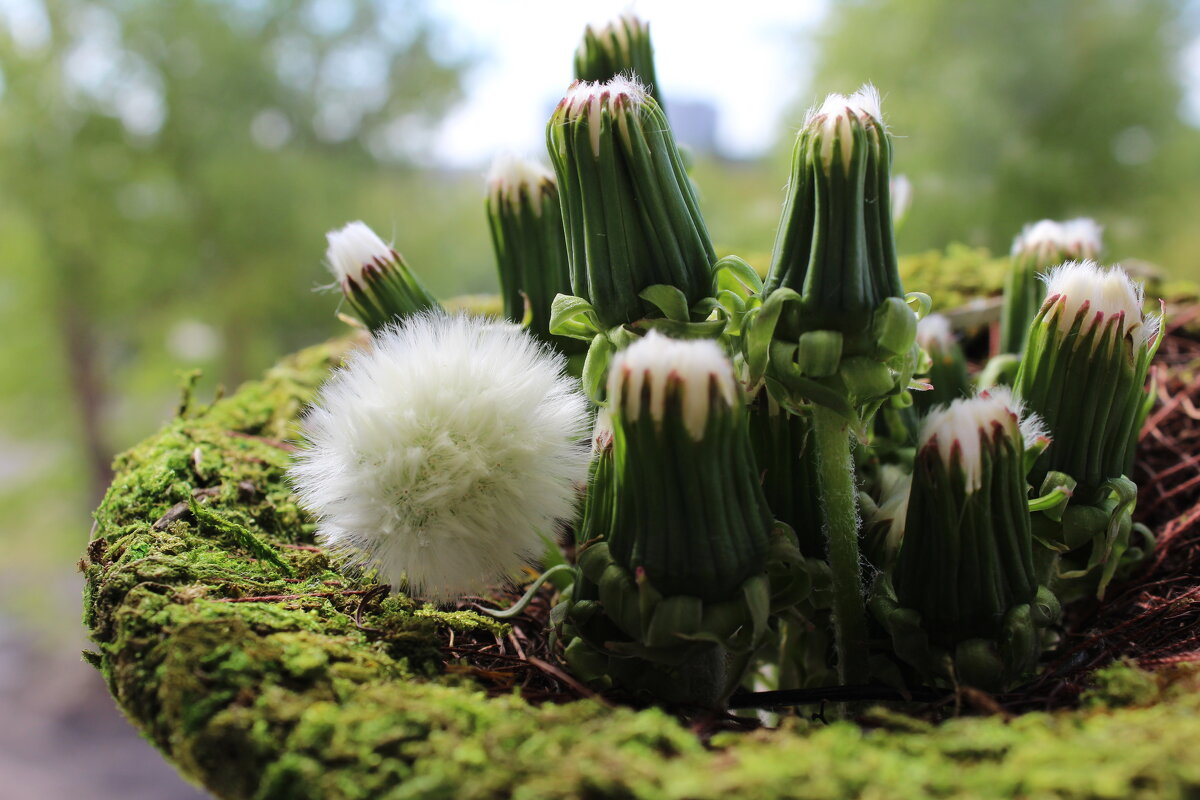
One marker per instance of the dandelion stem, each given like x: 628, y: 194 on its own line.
x: 836, y: 481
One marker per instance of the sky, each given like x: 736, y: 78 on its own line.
x: 525, y: 52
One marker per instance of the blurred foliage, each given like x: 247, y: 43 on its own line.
x: 1011, y: 112
x: 167, y: 171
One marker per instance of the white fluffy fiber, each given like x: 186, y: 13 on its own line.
x: 657, y: 360
x: 351, y: 248
x: 935, y: 333
x: 444, y: 453
x: 1106, y: 291
x: 834, y: 114
x: 1078, y: 238
x: 510, y: 174
x: 588, y: 97
x: 965, y: 423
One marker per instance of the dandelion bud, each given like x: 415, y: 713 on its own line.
x: 620, y: 47
x: 444, y: 454
x: 527, y: 237
x: 1084, y: 372
x: 630, y: 212
x: 374, y: 277
x: 948, y: 368
x: 965, y: 565
x: 783, y: 450
x: 1040, y: 246
x: 835, y: 243
x: 689, y: 510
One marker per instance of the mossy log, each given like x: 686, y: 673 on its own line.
x: 257, y: 668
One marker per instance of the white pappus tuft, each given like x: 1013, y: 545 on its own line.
x: 510, y: 175
x: 590, y: 97
x: 833, y: 118
x: 1106, y: 291
x: 352, y: 247
x: 694, y: 365
x: 935, y: 334
x: 965, y: 425
x: 444, y: 454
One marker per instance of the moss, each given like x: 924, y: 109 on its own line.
x: 262, y: 671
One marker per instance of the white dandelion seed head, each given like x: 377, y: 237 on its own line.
x: 659, y: 362
x: 510, y: 175
x: 351, y: 248
x: 1106, y: 291
x: 966, y: 424
x: 934, y: 333
x: 1078, y: 238
x: 442, y: 455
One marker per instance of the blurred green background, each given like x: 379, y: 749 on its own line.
x: 168, y: 170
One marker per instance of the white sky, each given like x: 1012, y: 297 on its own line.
x: 525, y: 50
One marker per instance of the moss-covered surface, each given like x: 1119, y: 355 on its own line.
x: 262, y: 672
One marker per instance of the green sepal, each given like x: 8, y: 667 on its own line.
x: 894, y: 326
x: 595, y: 367
x: 819, y: 353
x: 1056, y: 491
x: 574, y: 317
x: 669, y: 300
x: 759, y: 331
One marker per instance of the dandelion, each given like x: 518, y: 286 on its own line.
x: 443, y: 455
x: 1040, y: 246
x: 1084, y: 371
x: 631, y: 214
x: 374, y: 278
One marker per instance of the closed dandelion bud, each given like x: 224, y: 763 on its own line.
x: 374, y: 278
x: 689, y: 510
x: 527, y: 237
x: 444, y: 454
x: 1084, y: 372
x: 783, y: 450
x: 1039, y: 247
x: 964, y: 574
x: 630, y: 213
x: 679, y: 563
x: 835, y: 244
x: 620, y: 47
x: 966, y: 558
x: 947, y: 370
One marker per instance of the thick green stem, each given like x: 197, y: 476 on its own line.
x: 840, y: 501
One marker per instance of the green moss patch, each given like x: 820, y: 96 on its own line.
x: 262, y: 671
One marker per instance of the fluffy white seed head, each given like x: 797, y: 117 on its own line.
x: 934, y: 333
x: 660, y: 363
x: 834, y: 116
x: 967, y: 425
x: 510, y: 175
x: 353, y: 247
x: 443, y: 454
x: 1105, y: 291
x: 591, y: 97
x: 1047, y: 239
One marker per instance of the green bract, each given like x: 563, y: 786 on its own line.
x: 631, y: 215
